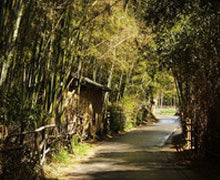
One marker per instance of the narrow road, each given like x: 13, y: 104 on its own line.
x: 139, y: 154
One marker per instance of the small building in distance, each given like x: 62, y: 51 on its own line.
x: 84, y: 107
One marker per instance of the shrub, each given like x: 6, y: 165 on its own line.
x: 116, y: 119
x: 130, y: 106
x: 62, y: 156
x: 130, y: 113
x: 78, y: 148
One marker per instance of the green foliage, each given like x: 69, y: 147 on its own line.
x: 81, y: 149
x: 187, y: 43
x: 117, y: 118
x: 166, y: 111
x: 75, y: 140
x: 42, y: 46
x: 62, y: 156
x: 130, y: 106
x: 144, y: 115
x: 128, y: 126
x: 169, y: 98
x: 130, y: 113
x: 127, y: 115
x: 77, y: 147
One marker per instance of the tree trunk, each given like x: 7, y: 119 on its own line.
x: 11, y: 49
x: 106, y: 99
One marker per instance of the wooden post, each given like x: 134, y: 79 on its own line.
x: 3, y: 132
x: 189, y: 133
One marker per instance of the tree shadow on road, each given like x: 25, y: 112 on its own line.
x: 138, y: 155
x: 135, y: 165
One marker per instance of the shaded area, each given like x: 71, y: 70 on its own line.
x: 139, y: 154
x: 134, y: 165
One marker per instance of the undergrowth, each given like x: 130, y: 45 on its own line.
x: 130, y: 113
x: 66, y: 158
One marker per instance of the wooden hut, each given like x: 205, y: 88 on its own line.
x: 84, y: 112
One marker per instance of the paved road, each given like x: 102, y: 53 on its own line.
x: 139, y: 154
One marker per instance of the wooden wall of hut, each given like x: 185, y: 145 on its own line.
x: 84, y: 112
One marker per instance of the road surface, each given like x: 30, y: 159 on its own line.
x: 137, y: 155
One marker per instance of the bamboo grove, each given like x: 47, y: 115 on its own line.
x: 188, y: 44
x: 130, y: 46
x: 43, y: 44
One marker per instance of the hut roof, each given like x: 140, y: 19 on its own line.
x: 86, y: 81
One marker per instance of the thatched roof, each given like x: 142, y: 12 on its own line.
x: 86, y: 81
